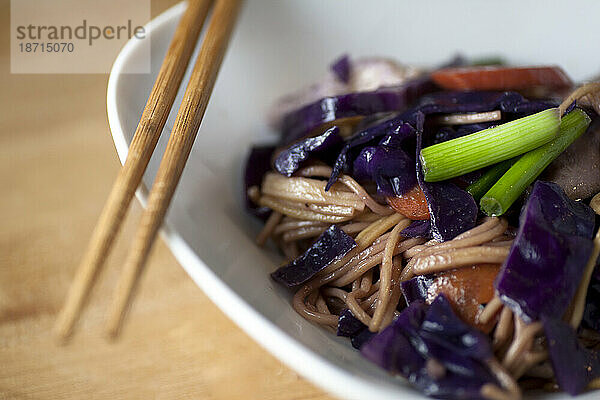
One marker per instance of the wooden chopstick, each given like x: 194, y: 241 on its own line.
x: 144, y: 141
x: 176, y: 154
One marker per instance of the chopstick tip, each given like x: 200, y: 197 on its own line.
x: 63, y: 327
x: 114, y: 321
x: 111, y: 334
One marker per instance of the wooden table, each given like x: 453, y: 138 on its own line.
x: 57, y: 163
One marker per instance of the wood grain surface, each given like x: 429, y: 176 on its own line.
x: 57, y: 163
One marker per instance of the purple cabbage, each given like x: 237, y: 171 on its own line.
x: 591, y: 313
x: 424, y: 333
x: 418, y: 229
x: 511, y: 103
x: 415, y: 289
x: 299, y: 123
x: 391, y: 348
x: 341, y: 68
x: 389, y: 167
x: 452, y: 210
x: 257, y: 165
x: 290, y: 159
x: 574, y: 365
x: 392, y: 127
x: 362, y: 169
x: 443, y: 327
x: 565, y: 216
x: 361, y: 338
x: 350, y: 326
x: 332, y: 245
x: 547, y: 259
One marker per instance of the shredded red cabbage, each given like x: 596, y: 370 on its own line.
x: 258, y: 163
x: 548, y: 256
x: 341, y: 68
x: 332, y: 245
x: 291, y: 159
x: 574, y: 365
x: 421, y: 335
x: 350, y: 326
x: 299, y: 123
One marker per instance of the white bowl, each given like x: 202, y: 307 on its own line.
x: 277, y: 47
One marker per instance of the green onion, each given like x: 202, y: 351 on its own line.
x: 480, y: 187
x: 490, y: 146
x: 508, y: 188
x: 486, y: 61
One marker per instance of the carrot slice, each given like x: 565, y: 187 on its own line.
x: 467, y: 289
x: 412, y: 204
x: 501, y: 78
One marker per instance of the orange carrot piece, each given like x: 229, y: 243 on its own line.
x: 412, y: 204
x: 501, y: 78
x: 467, y: 289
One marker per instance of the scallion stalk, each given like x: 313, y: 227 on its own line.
x: 490, y: 146
x: 480, y: 187
x: 530, y: 165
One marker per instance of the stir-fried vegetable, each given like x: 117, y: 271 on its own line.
x: 289, y: 160
x: 350, y: 326
x: 332, y: 245
x: 392, y: 127
x: 418, y: 229
x: 468, y: 153
x: 341, y: 68
x: 480, y: 187
x: 465, y: 288
x: 524, y: 171
x: 258, y: 163
x: 411, y: 204
x: 574, y: 365
x: 299, y: 123
x: 435, y: 351
x: 548, y: 256
x: 389, y: 167
x: 591, y: 313
x: 500, y: 78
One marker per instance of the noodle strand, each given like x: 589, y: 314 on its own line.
x: 385, y: 276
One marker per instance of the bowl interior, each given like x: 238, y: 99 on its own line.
x: 278, y: 47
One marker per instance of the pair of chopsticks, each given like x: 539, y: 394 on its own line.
x: 146, y: 136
